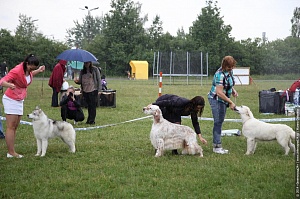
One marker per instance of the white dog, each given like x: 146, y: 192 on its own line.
x: 45, y: 128
x: 255, y: 130
x: 165, y: 135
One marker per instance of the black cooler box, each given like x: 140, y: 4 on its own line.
x: 107, y: 98
x: 272, y: 102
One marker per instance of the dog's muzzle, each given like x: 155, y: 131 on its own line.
x: 235, y: 109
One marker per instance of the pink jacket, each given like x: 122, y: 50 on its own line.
x: 17, y: 77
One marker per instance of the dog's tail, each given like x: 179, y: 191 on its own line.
x: 293, y: 135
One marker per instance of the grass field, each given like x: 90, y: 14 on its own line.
x: 118, y: 161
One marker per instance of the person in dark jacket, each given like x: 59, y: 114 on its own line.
x: 173, y: 107
x: 70, y: 106
x: 56, y: 80
x: 4, y: 69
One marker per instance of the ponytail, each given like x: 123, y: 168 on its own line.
x: 30, y: 60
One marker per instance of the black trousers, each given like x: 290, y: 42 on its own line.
x: 91, y: 100
x: 54, y: 102
x: 76, y: 115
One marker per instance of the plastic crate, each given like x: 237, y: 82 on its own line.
x: 272, y: 102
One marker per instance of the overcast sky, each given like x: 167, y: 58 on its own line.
x: 248, y: 18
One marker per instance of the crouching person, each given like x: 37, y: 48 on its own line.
x: 70, y: 106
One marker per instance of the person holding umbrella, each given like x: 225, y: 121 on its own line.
x: 90, y: 81
x: 56, y: 80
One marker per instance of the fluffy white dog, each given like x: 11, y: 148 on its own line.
x: 165, y: 135
x: 45, y: 128
x: 255, y: 130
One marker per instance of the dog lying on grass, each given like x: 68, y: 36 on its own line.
x: 45, y: 128
x: 165, y: 135
x: 255, y: 130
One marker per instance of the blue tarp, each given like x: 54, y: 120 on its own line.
x: 76, y: 64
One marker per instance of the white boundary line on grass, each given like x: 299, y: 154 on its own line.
x: 185, y: 117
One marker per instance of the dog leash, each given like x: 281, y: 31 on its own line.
x: 42, y: 89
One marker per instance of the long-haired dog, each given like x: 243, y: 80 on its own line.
x: 165, y: 135
x: 45, y: 128
x: 255, y: 130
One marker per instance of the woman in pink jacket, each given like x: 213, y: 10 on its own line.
x: 17, y: 81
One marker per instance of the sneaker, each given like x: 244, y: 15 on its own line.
x: 220, y: 151
x: 11, y: 156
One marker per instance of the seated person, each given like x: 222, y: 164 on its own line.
x: 103, y: 83
x: 70, y: 106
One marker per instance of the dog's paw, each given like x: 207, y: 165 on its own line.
x: 157, y: 155
x: 38, y: 154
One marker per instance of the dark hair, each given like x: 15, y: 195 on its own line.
x: 103, y: 77
x: 196, y: 101
x: 30, y: 60
x: 84, y: 70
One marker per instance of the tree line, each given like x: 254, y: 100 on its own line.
x: 120, y: 36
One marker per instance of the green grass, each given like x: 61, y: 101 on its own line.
x: 119, y: 162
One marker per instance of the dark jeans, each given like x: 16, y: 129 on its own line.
x: 54, y: 102
x: 76, y: 115
x: 91, y: 100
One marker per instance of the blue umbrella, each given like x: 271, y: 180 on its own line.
x: 77, y: 55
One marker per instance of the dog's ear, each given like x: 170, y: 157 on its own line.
x: 249, y: 113
x: 157, y: 116
x: 37, y: 108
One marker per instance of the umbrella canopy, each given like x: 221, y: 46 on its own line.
x: 77, y: 55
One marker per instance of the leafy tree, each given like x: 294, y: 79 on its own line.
x: 296, y: 23
x: 123, y: 34
x: 47, y: 51
x: 155, y: 32
x: 248, y: 53
x: 82, y: 34
x: 211, y: 35
x: 26, y: 28
x: 282, y: 56
x: 8, y: 48
x: 28, y: 40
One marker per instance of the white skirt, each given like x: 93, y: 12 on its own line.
x: 12, y: 107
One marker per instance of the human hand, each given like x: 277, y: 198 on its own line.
x: 202, y: 139
x: 12, y: 86
x: 232, y: 106
x: 42, y: 68
x: 234, y: 93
